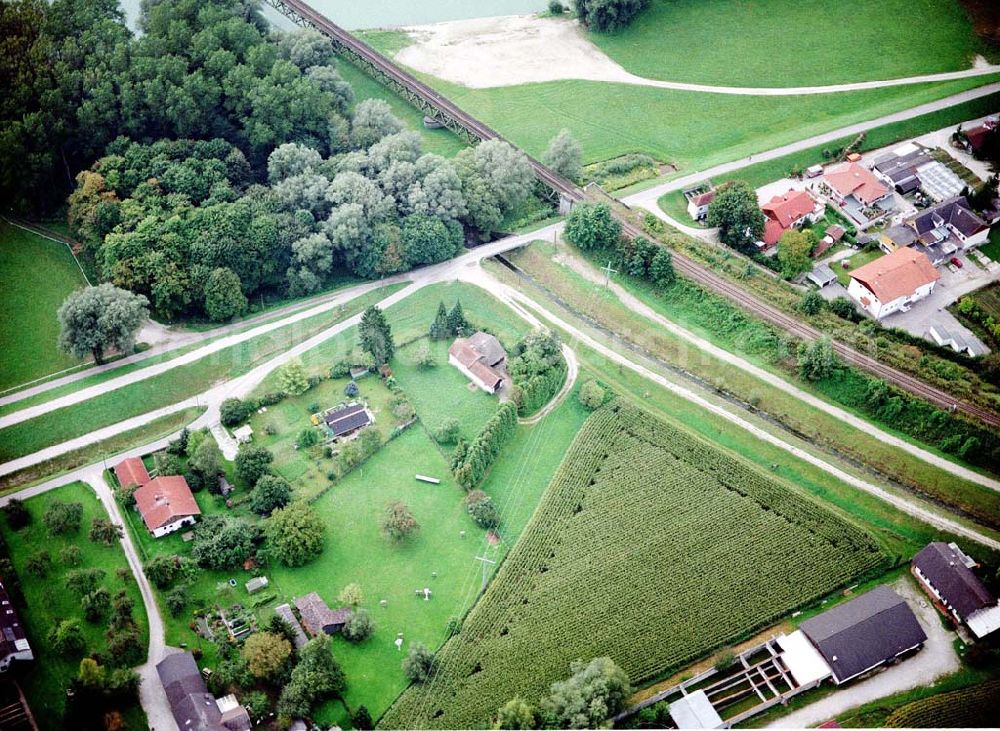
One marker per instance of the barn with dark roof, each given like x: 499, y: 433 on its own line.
x: 864, y: 633
x: 945, y: 573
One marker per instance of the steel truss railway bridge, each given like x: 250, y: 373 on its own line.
x: 449, y: 115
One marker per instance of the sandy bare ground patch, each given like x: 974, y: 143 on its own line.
x: 521, y: 49
x: 513, y: 49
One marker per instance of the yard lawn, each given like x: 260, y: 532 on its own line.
x: 426, y: 389
x: 856, y: 260
x: 793, y: 42
x: 36, y: 275
x: 48, y: 601
x: 688, y: 129
x: 992, y: 247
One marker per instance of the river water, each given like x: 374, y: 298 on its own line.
x: 357, y: 14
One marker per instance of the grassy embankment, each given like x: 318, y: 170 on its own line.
x: 173, y: 386
x: 761, y: 173
x: 36, y: 275
x: 815, y: 43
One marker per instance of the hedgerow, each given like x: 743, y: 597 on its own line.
x: 472, y: 461
x: 650, y: 547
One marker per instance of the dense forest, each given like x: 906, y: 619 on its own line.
x: 209, y: 158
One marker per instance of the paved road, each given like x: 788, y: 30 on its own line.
x: 937, y: 658
x: 510, y: 295
x: 636, y: 305
x: 648, y: 198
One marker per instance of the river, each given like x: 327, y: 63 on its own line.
x: 356, y: 14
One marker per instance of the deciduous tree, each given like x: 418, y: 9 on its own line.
x: 564, y: 155
x: 596, y: 691
x: 224, y: 298
x: 592, y: 227
x: 418, y: 663
x: 795, y: 252
x: 736, y: 213
x: 294, y: 534
x: 272, y: 492
x: 397, y: 521
x: 252, y: 463
x: 266, y: 653
x: 97, y: 319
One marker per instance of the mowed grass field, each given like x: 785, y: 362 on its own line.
x: 583, y: 581
x: 36, y: 275
x: 793, y: 42
x: 689, y: 129
x: 49, y: 601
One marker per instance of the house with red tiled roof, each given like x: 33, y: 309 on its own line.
x: 851, y: 180
x: 892, y: 283
x: 698, y: 204
x: 783, y: 212
x: 166, y: 504
x: 481, y: 358
x: 131, y: 471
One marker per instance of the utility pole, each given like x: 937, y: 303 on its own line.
x: 608, y: 271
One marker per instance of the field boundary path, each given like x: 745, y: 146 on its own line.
x: 508, y: 295
x: 572, y: 371
x: 636, y: 305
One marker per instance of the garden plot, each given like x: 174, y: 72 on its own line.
x: 607, y: 567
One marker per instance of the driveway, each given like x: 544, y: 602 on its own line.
x: 932, y: 310
x: 936, y: 659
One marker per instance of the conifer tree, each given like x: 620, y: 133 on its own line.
x: 439, y: 328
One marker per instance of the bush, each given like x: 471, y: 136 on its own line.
x: 425, y: 357
x: 844, y: 308
x: 233, y: 411
x: 591, y: 395
x: 556, y: 7
x: 359, y: 626
x: 18, y: 516
x: 448, y: 432
x: 292, y: 379
x: 482, y: 509
x: 340, y: 369
x: 812, y: 303
x: 308, y: 437
x: 418, y: 663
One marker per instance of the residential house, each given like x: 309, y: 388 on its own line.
x: 795, y: 208
x: 950, y: 226
x: 192, y: 706
x: 893, y: 282
x: 347, y: 419
x: 698, y: 202
x: 858, y: 193
x: 481, y: 358
x: 318, y: 618
x: 131, y: 471
x: 166, y: 504
x: 864, y: 633
x: 945, y: 573
x: 13, y: 639
x: 976, y: 136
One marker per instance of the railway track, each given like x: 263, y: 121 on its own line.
x: 304, y: 15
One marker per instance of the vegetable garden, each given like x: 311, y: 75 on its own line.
x: 606, y: 567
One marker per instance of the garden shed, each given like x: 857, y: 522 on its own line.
x: 256, y: 584
x: 317, y: 617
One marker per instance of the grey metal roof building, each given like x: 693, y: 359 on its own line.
x: 192, y: 706
x: 859, y: 635
x: 945, y: 572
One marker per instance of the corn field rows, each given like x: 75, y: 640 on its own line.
x: 974, y: 707
x: 650, y: 547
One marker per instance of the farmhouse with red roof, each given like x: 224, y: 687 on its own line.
x: 794, y: 208
x: 166, y: 504
x: 893, y: 282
